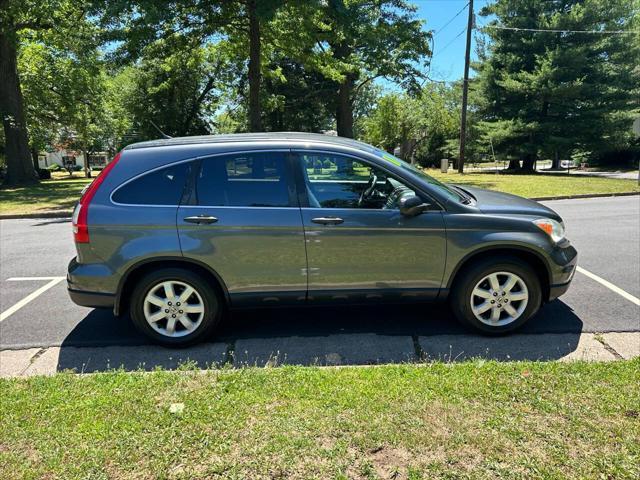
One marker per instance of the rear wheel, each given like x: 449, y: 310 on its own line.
x: 496, y: 296
x: 175, y: 307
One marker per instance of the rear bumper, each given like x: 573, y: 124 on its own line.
x: 92, y: 299
x: 91, y: 285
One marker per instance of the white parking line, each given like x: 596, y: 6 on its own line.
x: 32, y: 296
x: 609, y: 285
x: 30, y: 279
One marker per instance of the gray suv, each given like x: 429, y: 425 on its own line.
x: 178, y: 231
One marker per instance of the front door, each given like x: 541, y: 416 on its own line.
x: 243, y: 221
x: 359, y: 246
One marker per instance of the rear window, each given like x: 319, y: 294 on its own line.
x: 244, y: 180
x: 161, y: 187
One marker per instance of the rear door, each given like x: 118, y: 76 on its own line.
x: 359, y: 246
x: 242, y: 219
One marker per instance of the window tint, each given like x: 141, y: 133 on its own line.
x: 162, y: 187
x: 244, y: 180
x: 334, y: 181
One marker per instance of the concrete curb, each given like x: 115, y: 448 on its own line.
x: 586, y: 195
x: 340, y: 350
x: 68, y: 213
x: 45, y: 214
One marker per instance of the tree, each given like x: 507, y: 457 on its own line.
x: 177, y: 84
x: 364, y: 40
x: 64, y: 83
x: 554, y: 94
x: 295, y: 97
x: 16, y: 18
x: 421, y: 125
x: 141, y: 23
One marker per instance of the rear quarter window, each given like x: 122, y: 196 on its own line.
x: 160, y: 187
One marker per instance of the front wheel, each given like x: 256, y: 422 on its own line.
x: 496, y: 295
x: 175, y: 307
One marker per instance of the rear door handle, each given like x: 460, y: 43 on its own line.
x: 201, y: 219
x: 327, y: 220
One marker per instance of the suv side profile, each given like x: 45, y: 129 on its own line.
x: 177, y: 231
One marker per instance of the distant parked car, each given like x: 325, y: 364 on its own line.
x: 567, y: 164
x: 178, y: 231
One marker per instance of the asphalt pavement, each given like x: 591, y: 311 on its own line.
x: 606, y: 232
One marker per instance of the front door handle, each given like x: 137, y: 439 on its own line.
x: 201, y: 219
x: 327, y: 220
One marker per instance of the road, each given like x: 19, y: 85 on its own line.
x: 606, y: 232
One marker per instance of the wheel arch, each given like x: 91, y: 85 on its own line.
x: 531, y: 257
x: 137, y: 271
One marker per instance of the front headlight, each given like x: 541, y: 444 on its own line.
x: 552, y: 228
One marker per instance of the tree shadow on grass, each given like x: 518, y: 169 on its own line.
x: 320, y: 336
x: 49, y: 195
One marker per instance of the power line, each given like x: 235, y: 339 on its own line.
x: 604, y: 32
x: 451, y: 20
x: 449, y: 44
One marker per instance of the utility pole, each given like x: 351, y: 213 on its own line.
x: 465, y: 89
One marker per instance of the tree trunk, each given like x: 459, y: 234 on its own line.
x: 514, y: 165
x: 344, y: 108
x: 87, y: 167
x: 528, y: 162
x: 34, y: 159
x: 255, y: 123
x: 555, y: 164
x: 19, y: 163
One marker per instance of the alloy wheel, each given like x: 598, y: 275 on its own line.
x: 173, y: 308
x: 499, y: 299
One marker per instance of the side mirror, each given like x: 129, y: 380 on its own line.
x: 412, y: 205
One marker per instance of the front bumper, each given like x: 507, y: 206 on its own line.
x: 565, y: 261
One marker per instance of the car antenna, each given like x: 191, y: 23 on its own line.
x: 162, y: 134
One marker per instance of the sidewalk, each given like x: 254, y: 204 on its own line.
x: 335, y: 350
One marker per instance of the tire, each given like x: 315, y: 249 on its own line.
x: 194, y: 319
x: 474, y: 286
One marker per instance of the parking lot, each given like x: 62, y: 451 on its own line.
x: 37, y: 313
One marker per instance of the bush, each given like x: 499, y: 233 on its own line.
x: 54, y: 167
x: 77, y: 168
x: 44, y: 173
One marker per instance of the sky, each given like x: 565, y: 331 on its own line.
x: 448, y: 55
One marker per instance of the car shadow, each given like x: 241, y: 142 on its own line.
x: 321, y: 336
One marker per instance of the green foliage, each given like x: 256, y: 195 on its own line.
x: 177, y: 85
x: 96, y: 73
x: 422, y: 124
x: 566, y: 93
x: 65, y: 85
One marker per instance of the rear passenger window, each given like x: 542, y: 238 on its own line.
x: 161, y: 187
x: 244, y: 180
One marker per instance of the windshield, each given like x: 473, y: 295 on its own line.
x: 444, y: 189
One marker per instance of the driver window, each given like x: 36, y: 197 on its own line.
x: 335, y: 181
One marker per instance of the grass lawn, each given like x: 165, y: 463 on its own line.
x: 58, y: 194
x: 539, y: 185
x: 480, y: 419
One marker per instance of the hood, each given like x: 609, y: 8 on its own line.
x: 489, y: 201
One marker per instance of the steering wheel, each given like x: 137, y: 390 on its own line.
x: 373, y: 179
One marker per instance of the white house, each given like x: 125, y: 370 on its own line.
x: 63, y: 157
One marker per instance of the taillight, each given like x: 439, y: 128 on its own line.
x: 80, y: 214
